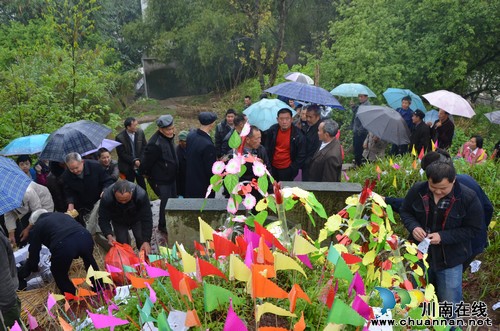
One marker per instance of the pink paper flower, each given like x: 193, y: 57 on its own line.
x: 231, y: 206
x: 246, y: 130
x: 233, y: 166
x: 249, y: 201
x: 240, y: 218
x: 218, y: 167
x: 259, y: 169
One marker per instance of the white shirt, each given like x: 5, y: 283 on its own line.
x: 323, y: 145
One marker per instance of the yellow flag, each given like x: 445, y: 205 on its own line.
x: 206, y: 231
x: 333, y: 327
x: 188, y: 261
x: 413, y: 151
x: 433, y: 145
x: 394, y: 182
x: 238, y: 270
x: 283, y: 262
x: 386, y: 280
x: 482, y: 156
x: 104, y: 275
x: 390, y: 162
x: 270, y: 308
x: 301, y: 246
x: 369, y: 257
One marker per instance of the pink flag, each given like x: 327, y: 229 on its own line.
x: 111, y: 268
x: 357, y: 284
x: 111, y: 306
x: 233, y: 322
x: 305, y: 259
x: 105, y: 321
x: 16, y: 327
x: 396, y: 166
x: 31, y: 321
x: 361, y: 307
x: 249, y: 255
x: 152, y: 293
x: 154, y: 272
x: 51, y: 301
x: 346, y: 177
x: 251, y: 237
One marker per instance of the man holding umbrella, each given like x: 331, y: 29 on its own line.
x: 407, y: 114
x: 359, y: 133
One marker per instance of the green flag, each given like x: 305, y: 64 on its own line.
x: 342, y: 270
x: 216, y: 296
x: 341, y: 313
x: 333, y: 255
x: 163, y: 322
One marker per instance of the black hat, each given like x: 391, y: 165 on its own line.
x: 165, y: 121
x: 207, y: 118
x: 419, y: 113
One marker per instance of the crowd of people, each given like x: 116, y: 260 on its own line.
x: 97, y: 194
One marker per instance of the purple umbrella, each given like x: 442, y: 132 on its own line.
x: 106, y: 143
x: 305, y: 92
x: 450, y: 102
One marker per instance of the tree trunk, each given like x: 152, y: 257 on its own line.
x: 282, y: 15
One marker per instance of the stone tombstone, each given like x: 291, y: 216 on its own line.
x: 332, y: 196
x: 182, y: 218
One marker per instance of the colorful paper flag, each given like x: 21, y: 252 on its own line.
x: 283, y: 262
x: 305, y: 259
x: 200, y: 248
x: 83, y: 292
x: 215, y: 296
x: 357, y: 285
x: 361, y: 307
x: 341, y: 313
x: 249, y: 255
x: 421, y: 154
x: 111, y: 268
x: 145, y: 312
x: 32, y: 322
x: 295, y: 293
x: 394, y: 182
x: 139, y: 282
x: 413, y: 151
x: 302, y: 246
x: 272, y: 328
x: 206, y: 269
x: 233, y: 322
x: 268, y: 236
x: 152, y: 293
x: 333, y: 254
x: 391, y: 163
x: 414, y: 164
x: 270, y: 308
x: 238, y: 270
x: 206, y: 231
x: 103, y: 275
x: 154, y: 272
x: 51, y: 301
x: 264, y: 254
x: 188, y: 261
x: 264, y: 288
x: 266, y: 270
x: 192, y: 318
x: 350, y: 258
x: 301, y: 324
x: 251, y: 237
x: 184, y: 288
x: 65, y: 325
x: 342, y: 270
x: 345, y: 176
x: 223, y: 247
x: 387, y: 297
x: 105, y: 321
x: 163, y: 324
x: 16, y: 327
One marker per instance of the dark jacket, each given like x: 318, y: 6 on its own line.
x: 457, y: 227
x: 136, y: 210
x: 420, y: 137
x: 297, y: 146
x: 224, y: 148
x: 84, y: 193
x: 200, y: 157
x: 443, y: 134
x: 181, y: 174
x: 221, y: 130
x: 326, y: 164
x: 49, y: 230
x: 8, y: 275
x: 356, y: 126
x: 160, y: 162
x: 126, y: 158
x: 312, y: 144
x: 260, y: 153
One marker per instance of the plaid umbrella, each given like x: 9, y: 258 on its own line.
x: 79, y: 137
x: 25, y: 145
x: 13, y: 185
x: 304, y: 92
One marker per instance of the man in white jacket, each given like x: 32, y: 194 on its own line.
x: 36, y: 197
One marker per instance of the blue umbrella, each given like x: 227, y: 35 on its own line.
x: 13, y: 185
x: 79, y: 137
x: 394, y: 96
x: 263, y: 113
x: 304, y: 92
x: 431, y: 116
x: 25, y: 145
x: 352, y: 90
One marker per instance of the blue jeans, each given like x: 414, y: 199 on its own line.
x: 448, y: 283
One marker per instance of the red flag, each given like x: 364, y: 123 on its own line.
x: 224, y: 247
x: 421, y: 155
x: 351, y: 259
x: 199, y: 247
x: 268, y: 236
x: 296, y: 292
x: 206, y: 269
x: 242, y: 246
x: 264, y: 254
x: 176, y: 276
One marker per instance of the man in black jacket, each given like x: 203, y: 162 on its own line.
x: 285, y: 147
x: 131, y: 150
x: 160, y: 164
x: 10, y: 305
x: 421, y: 135
x: 84, y: 181
x: 125, y: 205
x: 313, y: 116
x: 66, y: 239
x: 444, y: 213
x: 222, y: 129
x: 200, y: 157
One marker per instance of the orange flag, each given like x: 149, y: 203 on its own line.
x: 265, y: 269
x: 192, y: 318
x: 268, y: 236
x: 264, y: 288
x: 223, y: 246
x: 414, y: 164
x: 206, y: 269
x: 139, y: 282
x: 82, y: 292
x: 296, y: 292
x: 65, y: 325
x: 271, y: 328
x: 77, y: 281
x: 264, y: 254
x: 184, y: 288
x: 300, y: 325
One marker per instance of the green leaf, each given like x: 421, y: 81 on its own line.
x: 390, y: 214
x: 261, y: 217
x: 230, y: 181
x: 351, y: 211
x: 235, y: 140
x: 263, y: 183
x: 357, y: 223
x: 374, y: 218
x: 411, y: 258
x: 290, y: 203
x: 243, y: 169
x: 214, y: 179
x: 271, y: 203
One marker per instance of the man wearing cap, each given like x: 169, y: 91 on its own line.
x: 66, y: 239
x: 181, y: 156
x: 125, y: 205
x: 421, y: 135
x: 200, y: 157
x: 359, y: 133
x: 222, y: 129
x: 160, y: 164
x: 130, y: 152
